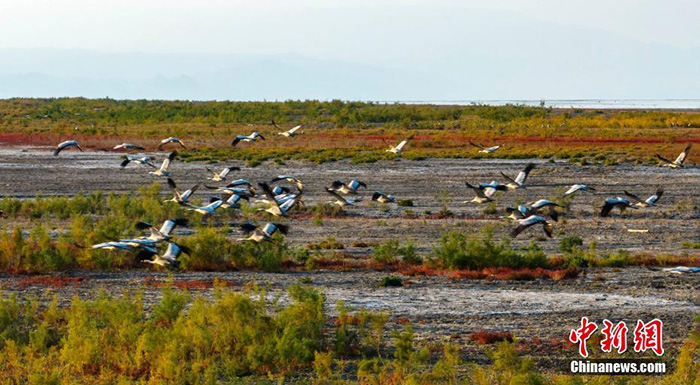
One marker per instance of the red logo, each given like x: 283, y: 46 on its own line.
x: 582, y: 335
x: 615, y: 337
x: 649, y: 336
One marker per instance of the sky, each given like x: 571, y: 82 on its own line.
x: 354, y: 49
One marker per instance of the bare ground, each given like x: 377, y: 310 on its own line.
x: 439, y: 308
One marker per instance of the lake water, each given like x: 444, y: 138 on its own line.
x: 636, y: 104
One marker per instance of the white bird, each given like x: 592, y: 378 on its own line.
x: 484, y: 149
x: 277, y: 209
x: 651, y: 201
x: 181, y: 197
x: 218, y: 177
x: 168, y: 259
x: 231, y: 201
x: 537, y: 207
x: 63, y: 145
x: 347, y: 188
x: 145, y: 161
x: 681, y: 269
x: 162, y: 234
x: 171, y: 139
x: 611, y: 203
x: 578, y: 187
x: 256, y: 234
x: 247, y: 138
x: 127, y: 146
x: 291, y: 132
x: 519, y: 181
x: 531, y: 221
x: 398, y: 148
x: 340, y: 200
x: 289, y: 178
x: 163, y: 170
x: 678, y: 163
x: 209, y: 209
x: 483, y: 195
x: 517, y: 213
x: 239, y: 182
x: 491, y: 188
x: 113, y: 246
x: 383, y: 198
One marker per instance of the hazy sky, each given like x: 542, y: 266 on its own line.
x: 411, y: 37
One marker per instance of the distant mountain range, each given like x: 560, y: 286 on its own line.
x: 466, y: 56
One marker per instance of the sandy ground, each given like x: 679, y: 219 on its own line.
x: 439, y: 307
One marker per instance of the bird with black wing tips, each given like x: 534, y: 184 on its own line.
x: 651, y: 201
x: 171, y: 139
x: 530, y: 221
x: 257, y: 234
x: 247, y: 138
x: 484, y: 149
x: 519, y: 181
x: 67, y: 144
x: 680, y: 160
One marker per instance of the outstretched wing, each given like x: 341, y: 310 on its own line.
x: 520, y: 179
x: 476, y: 145
x: 607, y: 207
x: 476, y: 189
x: 336, y: 195
x: 661, y: 158
x: 509, y: 179
x: 248, y: 227
x: 519, y: 229
x: 683, y: 155
x: 636, y: 198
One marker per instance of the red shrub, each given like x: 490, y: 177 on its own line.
x: 485, y: 337
x: 50, y: 281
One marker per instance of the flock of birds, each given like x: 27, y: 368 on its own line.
x: 279, y: 199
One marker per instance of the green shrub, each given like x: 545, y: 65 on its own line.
x: 391, y: 281
x: 569, y: 244
x: 388, y: 252
x: 457, y: 250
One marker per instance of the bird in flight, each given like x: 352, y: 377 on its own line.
x: 678, y: 163
x: 181, y: 197
x: 611, y: 203
x: 651, y: 201
x: 289, y: 133
x: 163, y: 170
x: 171, y: 139
x: 530, y: 221
x: 484, y: 149
x: 380, y: 197
x: 127, y: 146
x: 217, y: 177
x: 398, y: 148
x: 169, y: 258
x: 63, y: 145
x: 519, y: 181
x: 247, y: 138
x: 347, y: 188
x: 257, y: 234
x: 578, y: 187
